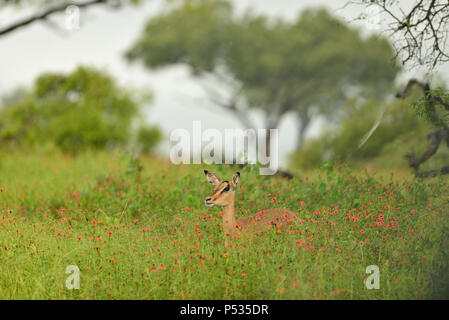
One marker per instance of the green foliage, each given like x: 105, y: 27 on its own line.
x: 81, y: 110
x: 428, y: 104
x: 398, y: 132
x: 280, y: 66
x: 148, y: 138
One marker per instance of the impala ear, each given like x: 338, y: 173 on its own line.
x: 235, y: 180
x: 212, y: 178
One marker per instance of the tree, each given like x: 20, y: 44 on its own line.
x: 420, y: 33
x: 50, y: 7
x: 81, y: 110
x: 251, y: 62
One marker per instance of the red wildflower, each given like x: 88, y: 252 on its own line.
x: 295, y: 283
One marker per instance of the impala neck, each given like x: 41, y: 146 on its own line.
x: 229, y: 222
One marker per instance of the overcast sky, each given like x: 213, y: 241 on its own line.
x: 104, y: 36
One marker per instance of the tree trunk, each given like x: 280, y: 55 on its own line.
x: 272, y: 123
x: 305, y: 121
x: 267, y: 143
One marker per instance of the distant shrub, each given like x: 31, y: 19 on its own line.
x: 81, y: 110
x: 147, y: 138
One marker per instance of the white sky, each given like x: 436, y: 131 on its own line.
x: 106, y: 34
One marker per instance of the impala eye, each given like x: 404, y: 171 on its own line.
x: 226, y: 189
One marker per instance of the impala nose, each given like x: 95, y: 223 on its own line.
x: 207, y: 202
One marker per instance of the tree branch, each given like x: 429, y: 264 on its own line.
x: 435, y: 137
x: 43, y: 15
x: 230, y: 104
x: 426, y: 89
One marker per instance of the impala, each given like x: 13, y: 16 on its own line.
x: 223, y: 195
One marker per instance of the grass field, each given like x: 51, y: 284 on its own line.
x: 140, y: 230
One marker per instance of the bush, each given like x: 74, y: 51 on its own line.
x: 148, y: 138
x: 81, y: 110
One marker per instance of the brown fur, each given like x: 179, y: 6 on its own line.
x: 256, y: 223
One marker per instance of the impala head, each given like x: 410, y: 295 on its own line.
x: 223, y: 193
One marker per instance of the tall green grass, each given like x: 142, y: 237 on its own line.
x: 138, y: 229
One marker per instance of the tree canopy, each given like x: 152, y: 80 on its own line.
x: 397, y: 133
x: 312, y: 63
